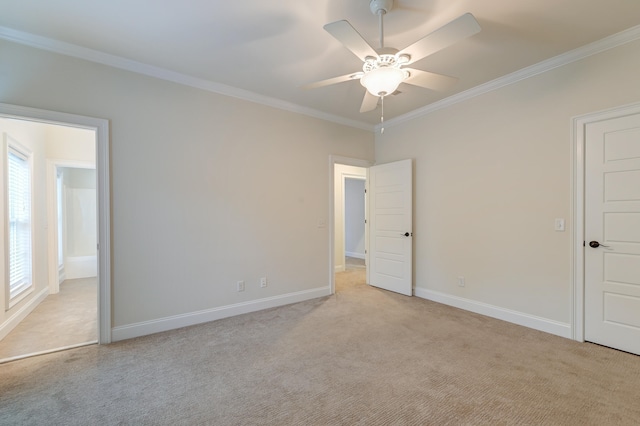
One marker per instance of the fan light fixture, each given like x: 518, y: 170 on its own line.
x: 383, y: 75
x: 382, y: 81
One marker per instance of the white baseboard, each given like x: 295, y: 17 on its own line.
x: 20, y: 314
x: 520, y: 318
x: 354, y: 254
x: 340, y: 268
x: 184, y: 320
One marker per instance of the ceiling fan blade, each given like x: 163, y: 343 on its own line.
x: 352, y: 40
x: 369, y: 103
x: 429, y: 80
x: 334, y: 80
x: 456, y: 30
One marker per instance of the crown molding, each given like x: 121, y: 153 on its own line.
x: 68, y: 49
x: 602, y: 45
x: 115, y: 61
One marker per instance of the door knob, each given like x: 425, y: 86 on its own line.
x: 595, y: 244
x: 406, y: 234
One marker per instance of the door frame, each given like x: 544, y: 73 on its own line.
x: 578, y: 137
x: 101, y: 128
x: 347, y: 161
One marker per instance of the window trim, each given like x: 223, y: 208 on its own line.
x: 12, y: 146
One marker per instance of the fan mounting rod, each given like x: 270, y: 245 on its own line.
x: 381, y: 8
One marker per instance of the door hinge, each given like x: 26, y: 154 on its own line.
x: 365, y: 221
x: 365, y: 191
x: 584, y: 244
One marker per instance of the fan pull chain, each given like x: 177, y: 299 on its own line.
x: 382, y: 114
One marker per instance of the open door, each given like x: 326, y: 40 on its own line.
x: 612, y: 233
x: 391, y: 226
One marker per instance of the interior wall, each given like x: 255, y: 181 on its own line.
x: 81, y: 214
x: 80, y: 225
x: 491, y: 175
x: 206, y: 189
x: 340, y: 172
x: 354, y: 214
x: 71, y: 144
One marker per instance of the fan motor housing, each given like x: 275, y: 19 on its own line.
x: 380, y: 5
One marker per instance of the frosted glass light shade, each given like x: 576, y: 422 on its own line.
x: 382, y: 81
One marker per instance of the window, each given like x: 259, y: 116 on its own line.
x: 19, y: 221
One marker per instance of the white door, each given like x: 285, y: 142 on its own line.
x: 612, y: 233
x: 390, y: 217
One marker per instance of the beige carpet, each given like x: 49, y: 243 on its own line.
x: 68, y: 318
x: 353, y: 262
x: 361, y: 357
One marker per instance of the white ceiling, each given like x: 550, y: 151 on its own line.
x: 271, y: 48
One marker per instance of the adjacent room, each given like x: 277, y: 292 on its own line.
x: 51, y: 180
x: 332, y: 212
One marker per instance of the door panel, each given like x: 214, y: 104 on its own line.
x: 622, y: 227
x: 612, y: 218
x: 622, y: 268
x: 390, y: 205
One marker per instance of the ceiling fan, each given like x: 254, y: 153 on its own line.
x: 385, y: 68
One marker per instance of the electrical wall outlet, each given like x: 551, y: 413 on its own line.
x: 240, y: 285
x: 461, y: 281
x: 263, y: 282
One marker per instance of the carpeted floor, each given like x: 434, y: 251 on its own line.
x: 361, y: 357
x: 353, y: 263
x: 68, y: 318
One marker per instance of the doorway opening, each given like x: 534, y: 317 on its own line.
x: 68, y: 302
x: 389, y: 227
x: 349, y: 231
x: 354, y: 220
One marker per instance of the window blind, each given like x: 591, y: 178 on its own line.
x: 19, y: 204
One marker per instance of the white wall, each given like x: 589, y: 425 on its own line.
x: 206, y: 189
x: 71, y: 144
x: 341, y: 171
x: 492, y: 173
x: 354, y: 214
x: 81, y: 225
